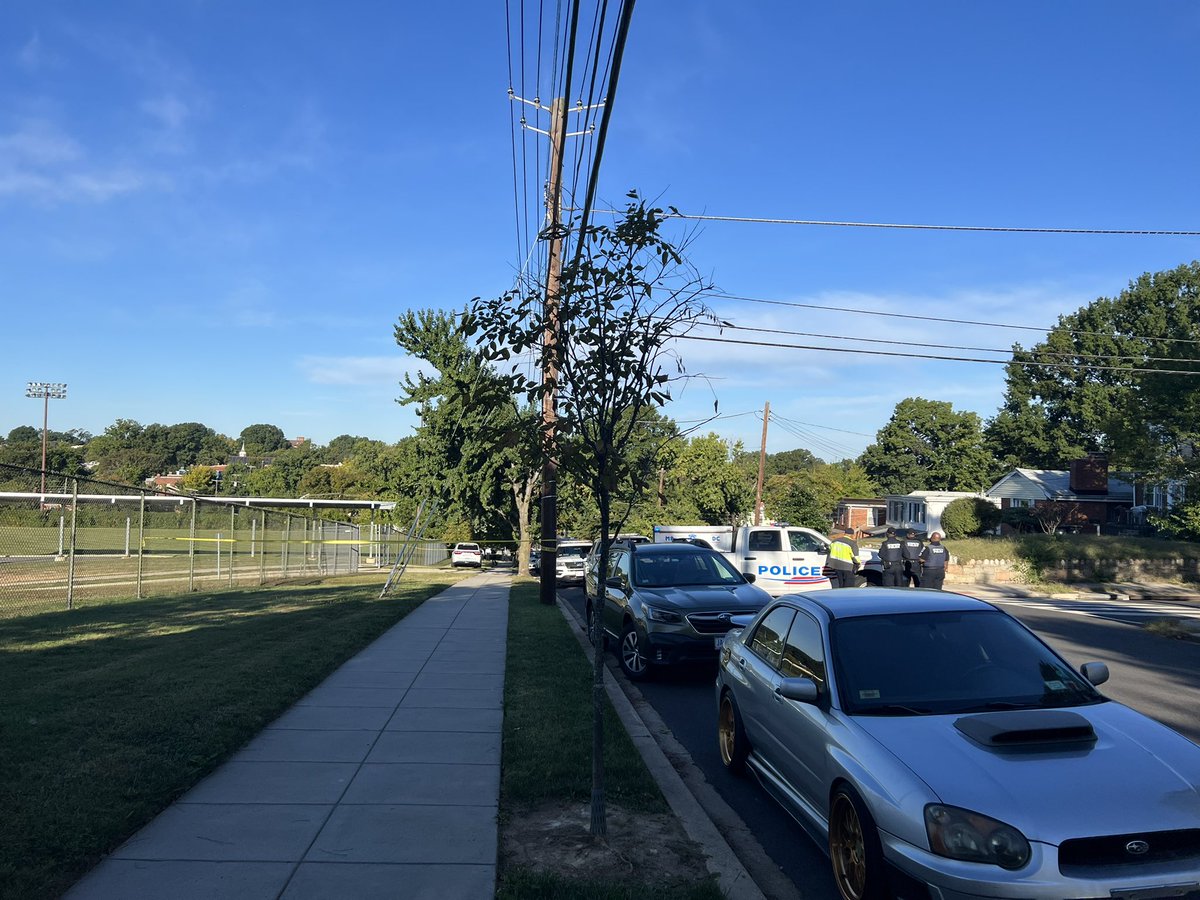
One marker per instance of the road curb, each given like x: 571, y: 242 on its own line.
x: 732, y: 876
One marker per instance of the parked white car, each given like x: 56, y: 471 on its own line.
x: 466, y: 554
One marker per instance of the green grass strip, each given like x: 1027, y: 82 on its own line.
x: 548, y: 717
x: 109, y: 713
x: 548, y: 750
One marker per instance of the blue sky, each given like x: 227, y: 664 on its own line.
x: 214, y: 211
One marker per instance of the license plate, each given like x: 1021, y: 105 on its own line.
x: 719, y: 641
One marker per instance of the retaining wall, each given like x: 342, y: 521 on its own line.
x: 1007, y: 571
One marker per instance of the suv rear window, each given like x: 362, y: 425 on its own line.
x: 466, y: 546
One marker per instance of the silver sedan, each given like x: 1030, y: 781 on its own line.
x: 939, y: 749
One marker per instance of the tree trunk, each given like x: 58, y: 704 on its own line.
x: 523, y: 499
x: 599, y: 823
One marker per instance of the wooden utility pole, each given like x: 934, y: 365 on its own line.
x: 762, y: 464
x: 548, y: 569
x: 554, y: 232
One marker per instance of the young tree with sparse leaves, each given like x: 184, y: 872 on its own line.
x: 621, y: 300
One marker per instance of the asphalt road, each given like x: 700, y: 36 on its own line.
x: 1157, y: 675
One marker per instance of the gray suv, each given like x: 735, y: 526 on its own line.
x: 669, y: 603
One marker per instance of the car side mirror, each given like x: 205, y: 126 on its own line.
x: 750, y: 577
x: 1095, y: 672
x: 615, y: 581
x: 803, y: 690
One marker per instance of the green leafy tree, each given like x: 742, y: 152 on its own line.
x: 626, y: 292
x: 787, y: 499
x: 477, y: 443
x: 262, y: 439
x: 199, y: 480
x: 707, y: 477
x: 788, y: 461
x: 24, y: 434
x: 1107, y: 378
x: 927, y: 446
x: 969, y: 517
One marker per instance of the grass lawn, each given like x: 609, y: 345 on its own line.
x: 111, y: 712
x: 547, y: 754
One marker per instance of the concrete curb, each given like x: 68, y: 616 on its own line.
x: 732, y: 876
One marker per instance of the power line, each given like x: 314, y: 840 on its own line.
x: 1066, y: 355
x: 821, y: 443
x: 995, y: 362
x: 921, y: 227
x: 914, y: 317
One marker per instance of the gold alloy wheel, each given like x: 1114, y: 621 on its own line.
x: 726, y: 731
x: 847, y: 849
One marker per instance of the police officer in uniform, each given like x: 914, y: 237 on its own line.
x: 843, y: 560
x: 891, y: 556
x: 911, y: 549
x: 933, y: 563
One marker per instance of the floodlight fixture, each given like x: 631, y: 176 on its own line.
x: 45, y: 391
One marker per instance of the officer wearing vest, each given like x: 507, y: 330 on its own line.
x: 843, y: 560
x: 933, y: 563
x: 891, y: 556
x: 911, y: 550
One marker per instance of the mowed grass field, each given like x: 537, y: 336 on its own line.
x: 111, y: 712
x: 34, y: 576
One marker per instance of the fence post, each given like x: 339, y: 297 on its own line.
x: 127, y: 524
x: 192, y: 550
x: 262, y: 552
x: 141, y: 541
x: 253, y: 536
x: 71, y: 547
x: 232, y: 540
x: 61, y: 521
x: 287, y: 539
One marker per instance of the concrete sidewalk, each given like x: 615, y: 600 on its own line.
x: 384, y: 781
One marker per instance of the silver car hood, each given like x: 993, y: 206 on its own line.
x: 1139, y: 775
x: 690, y: 598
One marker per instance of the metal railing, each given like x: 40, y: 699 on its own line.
x: 82, y: 540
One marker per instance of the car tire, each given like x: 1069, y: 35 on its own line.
x: 731, y: 735
x: 855, y: 854
x: 593, y: 625
x: 632, y: 653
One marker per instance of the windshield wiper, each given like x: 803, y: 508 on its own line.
x: 895, y: 709
x: 1001, y: 704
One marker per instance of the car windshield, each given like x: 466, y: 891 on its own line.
x: 679, y: 569
x: 572, y: 552
x: 949, y: 662
x: 467, y: 547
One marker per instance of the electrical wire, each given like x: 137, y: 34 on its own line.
x: 997, y: 362
x: 917, y: 318
x: 823, y: 444
x: 921, y: 227
x: 1063, y: 354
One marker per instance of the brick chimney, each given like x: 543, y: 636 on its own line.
x: 1090, y: 475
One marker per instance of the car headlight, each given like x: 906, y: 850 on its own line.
x: 657, y: 614
x: 962, y: 834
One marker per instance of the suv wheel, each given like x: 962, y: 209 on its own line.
x: 634, y: 662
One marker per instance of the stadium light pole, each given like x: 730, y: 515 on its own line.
x: 47, y: 391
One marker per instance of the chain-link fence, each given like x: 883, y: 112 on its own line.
x: 83, y: 540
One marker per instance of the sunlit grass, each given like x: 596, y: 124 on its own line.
x: 111, y: 712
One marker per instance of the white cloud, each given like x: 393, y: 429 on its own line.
x: 41, y: 161
x: 372, y: 371
x: 32, y: 55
